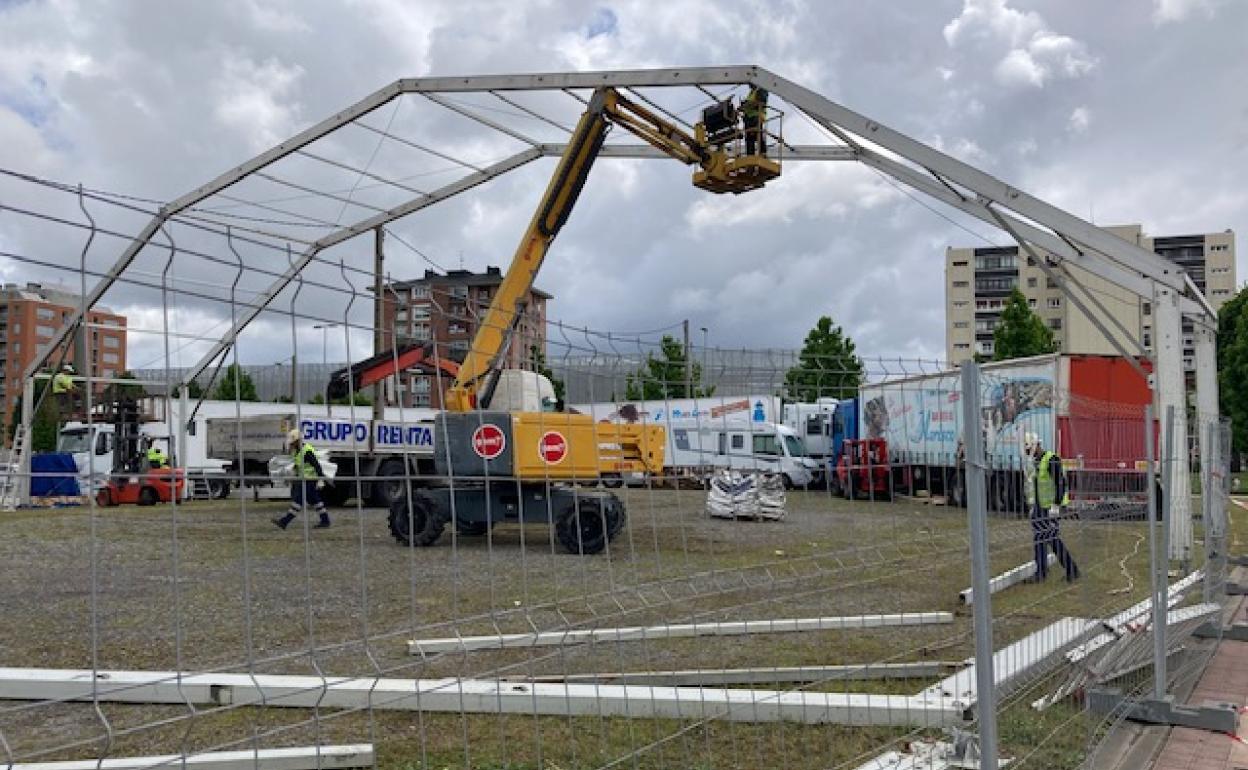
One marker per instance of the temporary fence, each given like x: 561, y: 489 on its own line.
x: 591, y: 614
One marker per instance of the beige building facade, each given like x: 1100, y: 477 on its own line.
x: 978, y: 281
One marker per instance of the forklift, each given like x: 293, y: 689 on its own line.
x: 132, y: 481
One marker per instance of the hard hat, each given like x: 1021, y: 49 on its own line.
x: 1030, y: 441
x: 294, y: 435
x: 67, y: 367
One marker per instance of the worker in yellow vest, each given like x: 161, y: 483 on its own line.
x: 303, y: 489
x: 753, y: 112
x: 1045, y: 485
x: 63, y: 389
x: 156, y: 458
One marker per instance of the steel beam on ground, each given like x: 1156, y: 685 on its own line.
x: 1006, y: 579
x: 468, y: 696
x: 764, y: 675
x: 676, y: 630
x: 1013, y: 663
x: 334, y: 757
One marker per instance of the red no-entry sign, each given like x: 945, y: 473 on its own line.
x: 488, y: 441
x: 553, y: 447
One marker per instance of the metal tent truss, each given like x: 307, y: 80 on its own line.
x: 471, y: 130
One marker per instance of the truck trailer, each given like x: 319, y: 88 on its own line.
x: 1087, y: 408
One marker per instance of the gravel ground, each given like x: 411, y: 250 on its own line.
x: 215, y: 587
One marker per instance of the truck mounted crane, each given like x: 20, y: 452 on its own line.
x: 521, y: 466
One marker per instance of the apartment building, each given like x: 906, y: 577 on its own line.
x: 445, y: 309
x: 31, y: 314
x: 978, y: 281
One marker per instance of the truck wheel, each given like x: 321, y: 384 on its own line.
x: 583, y: 527
x: 421, y: 525
x: 389, y: 485
x: 612, y: 480
x: 148, y: 496
x: 103, y: 498
x: 218, y: 489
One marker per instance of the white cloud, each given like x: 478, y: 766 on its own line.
x: 1033, y: 53
x: 258, y: 100
x: 1080, y: 119
x: 1165, y: 11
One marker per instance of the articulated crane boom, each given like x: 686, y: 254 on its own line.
x: 503, y: 463
x: 718, y: 172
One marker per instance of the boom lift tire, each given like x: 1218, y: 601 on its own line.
x: 582, y: 527
x: 421, y: 526
x: 389, y: 485
x: 148, y: 496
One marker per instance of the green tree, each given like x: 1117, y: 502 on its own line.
x: 827, y: 366
x: 663, y: 376
x: 1020, y: 332
x: 235, y: 384
x: 1233, y: 367
x: 43, y: 426
x: 360, y: 399
x: 118, y: 390
x: 537, y: 359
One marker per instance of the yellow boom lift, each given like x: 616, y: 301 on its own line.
x: 499, y: 465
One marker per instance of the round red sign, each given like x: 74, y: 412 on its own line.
x: 488, y: 441
x: 553, y: 447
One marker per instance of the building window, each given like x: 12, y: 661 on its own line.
x: 1031, y: 283
x: 1220, y: 292
x: 1031, y: 303
x: 1049, y: 283
x: 994, y: 284
x: 1220, y: 247
x: 43, y: 331
x: 1055, y: 303
x: 960, y: 263
x: 1147, y: 307
x: 1055, y: 323
x: 961, y: 284
x: 420, y: 292
x: 420, y: 385
x: 112, y: 343
x: 421, y: 399
x: 960, y: 303
x: 460, y: 292
x: 984, y: 347
x: 1148, y: 340
x: 420, y: 331
x: 45, y: 313
x: 986, y: 325
x: 456, y: 328
x: 960, y: 324
x: 995, y: 262
x: 1057, y: 342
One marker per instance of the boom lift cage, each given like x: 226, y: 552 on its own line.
x: 466, y: 131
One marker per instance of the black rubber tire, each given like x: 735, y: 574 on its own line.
x: 218, y: 489
x: 421, y: 526
x: 148, y: 496
x: 583, y: 527
x: 788, y: 482
x: 612, y: 480
x: 472, y: 528
x: 384, y: 491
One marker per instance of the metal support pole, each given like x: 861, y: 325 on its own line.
x: 28, y: 417
x: 688, y: 361
x: 379, y: 304
x: 977, y: 521
x: 1158, y: 593
x: 1210, y: 503
x: 1161, y: 574
x: 1171, y: 390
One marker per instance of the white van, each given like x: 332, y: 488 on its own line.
x: 813, y: 422
x: 707, y: 445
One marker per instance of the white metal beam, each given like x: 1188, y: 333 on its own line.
x: 539, y: 81
x: 766, y: 675
x: 470, y: 696
x: 675, y: 630
x: 981, y: 184
x: 1171, y: 388
x: 644, y: 151
x: 261, y: 301
x: 334, y: 757
x: 1006, y: 579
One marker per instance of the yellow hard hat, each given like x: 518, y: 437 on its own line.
x: 294, y: 435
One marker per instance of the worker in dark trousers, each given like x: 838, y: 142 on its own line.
x: 753, y: 110
x: 303, y: 489
x: 1046, y: 494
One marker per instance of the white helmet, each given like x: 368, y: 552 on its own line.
x: 294, y: 435
x: 1030, y: 441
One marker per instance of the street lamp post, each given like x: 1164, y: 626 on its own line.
x: 706, y: 353
x: 325, y: 341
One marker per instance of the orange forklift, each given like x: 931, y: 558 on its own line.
x: 134, y: 480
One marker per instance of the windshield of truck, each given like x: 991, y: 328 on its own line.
x: 73, y: 441
x: 795, y: 446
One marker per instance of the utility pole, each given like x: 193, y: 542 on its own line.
x: 688, y: 362
x: 379, y: 304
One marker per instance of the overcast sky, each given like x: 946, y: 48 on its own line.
x: 1131, y: 111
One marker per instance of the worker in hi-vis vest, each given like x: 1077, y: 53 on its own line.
x: 303, y: 488
x: 1046, y: 494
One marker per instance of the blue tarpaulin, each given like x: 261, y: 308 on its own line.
x: 53, y: 474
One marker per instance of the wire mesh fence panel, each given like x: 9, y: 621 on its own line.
x: 602, y: 549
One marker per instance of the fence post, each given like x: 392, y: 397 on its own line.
x: 1155, y: 564
x: 977, y: 521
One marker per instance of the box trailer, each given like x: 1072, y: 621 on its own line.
x: 1089, y: 408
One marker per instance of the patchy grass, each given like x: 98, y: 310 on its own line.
x: 214, y: 586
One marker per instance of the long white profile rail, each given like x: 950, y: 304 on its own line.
x: 1006, y: 579
x: 474, y: 696
x: 336, y: 757
x: 764, y: 675
x: 674, y: 631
